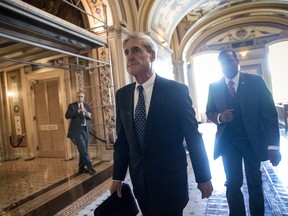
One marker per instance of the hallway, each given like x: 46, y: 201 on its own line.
x: 275, y: 185
x: 26, y: 185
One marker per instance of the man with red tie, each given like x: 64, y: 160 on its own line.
x: 243, y: 109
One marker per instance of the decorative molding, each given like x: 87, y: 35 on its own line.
x: 107, y: 99
x: 247, y: 37
x: 252, y: 69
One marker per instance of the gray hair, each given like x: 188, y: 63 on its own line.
x: 81, y: 91
x: 149, y: 44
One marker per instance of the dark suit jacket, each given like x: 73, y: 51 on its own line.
x: 162, y: 162
x: 76, y: 119
x: 257, y: 109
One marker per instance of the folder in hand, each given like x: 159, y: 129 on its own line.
x: 115, y: 206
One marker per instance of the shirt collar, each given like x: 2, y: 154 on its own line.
x: 235, y: 79
x: 148, y: 83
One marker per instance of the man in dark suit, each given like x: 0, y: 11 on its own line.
x: 157, y: 162
x: 247, y: 129
x: 80, y: 115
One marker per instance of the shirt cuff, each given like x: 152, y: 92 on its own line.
x: 273, y: 148
x: 218, y: 118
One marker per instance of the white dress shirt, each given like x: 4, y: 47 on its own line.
x: 147, y: 91
x: 235, y: 81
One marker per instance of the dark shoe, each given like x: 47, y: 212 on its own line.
x: 92, y: 171
x: 83, y: 170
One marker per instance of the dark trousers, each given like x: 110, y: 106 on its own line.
x: 82, y: 145
x: 147, y: 208
x: 145, y: 212
x: 235, y: 152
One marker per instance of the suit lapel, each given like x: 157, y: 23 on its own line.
x: 220, y: 95
x: 76, y: 106
x: 128, y: 100
x: 242, y: 90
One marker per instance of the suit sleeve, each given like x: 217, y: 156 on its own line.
x: 268, y: 114
x: 121, y: 149
x: 71, y: 112
x: 194, y: 141
x: 88, y: 109
x: 211, y: 110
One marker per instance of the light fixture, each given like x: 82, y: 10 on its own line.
x: 11, y: 94
x: 164, y: 43
x: 243, y: 53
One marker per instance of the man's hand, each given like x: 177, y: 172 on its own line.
x: 116, y: 186
x: 88, y: 114
x: 274, y: 157
x: 226, y: 115
x: 206, y: 189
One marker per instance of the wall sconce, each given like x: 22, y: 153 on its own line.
x: 11, y: 94
x: 243, y: 53
x: 164, y: 43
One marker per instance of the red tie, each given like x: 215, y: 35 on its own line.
x: 231, y: 87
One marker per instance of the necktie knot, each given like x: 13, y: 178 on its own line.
x: 140, y: 89
x: 231, y: 87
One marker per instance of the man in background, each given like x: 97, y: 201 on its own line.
x: 80, y: 115
x: 243, y: 109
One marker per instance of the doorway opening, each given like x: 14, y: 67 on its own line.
x: 278, y: 65
x: 206, y: 70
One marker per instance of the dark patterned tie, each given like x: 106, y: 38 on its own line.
x: 231, y: 87
x: 140, y: 116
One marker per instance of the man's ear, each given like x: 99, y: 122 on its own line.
x: 152, y: 56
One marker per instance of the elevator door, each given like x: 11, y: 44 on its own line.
x: 49, y: 118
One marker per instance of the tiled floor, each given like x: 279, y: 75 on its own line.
x: 20, y: 181
x: 30, y: 186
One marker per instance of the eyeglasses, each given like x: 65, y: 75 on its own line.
x: 80, y: 96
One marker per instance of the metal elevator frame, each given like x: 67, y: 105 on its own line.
x: 26, y: 24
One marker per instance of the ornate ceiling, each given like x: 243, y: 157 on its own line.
x: 167, y: 14
x: 178, y: 22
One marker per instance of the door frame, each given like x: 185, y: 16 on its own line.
x: 30, y: 112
